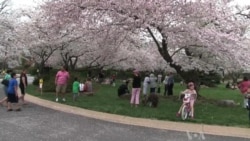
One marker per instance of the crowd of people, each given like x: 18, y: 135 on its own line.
x: 78, y: 87
x: 10, y: 83
x: 150, y: 84
x: 151, y: 87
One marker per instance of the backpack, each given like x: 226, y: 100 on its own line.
x: 5, y: 82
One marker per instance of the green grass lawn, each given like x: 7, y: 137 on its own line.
x: 206, y: 109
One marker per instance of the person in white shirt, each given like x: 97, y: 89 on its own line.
x: 153, y: 83
x: 146, y: 83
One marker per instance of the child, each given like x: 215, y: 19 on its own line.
x: 191, y: 95
x: 75, y: 89
x: 81, y: 87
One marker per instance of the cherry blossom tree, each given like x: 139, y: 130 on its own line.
x: 193, y: 37
x: 7, y: 36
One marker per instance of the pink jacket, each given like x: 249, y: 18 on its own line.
x: 243, y: 86
x: 62, y: 77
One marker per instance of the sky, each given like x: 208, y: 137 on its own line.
x: 24, y: 3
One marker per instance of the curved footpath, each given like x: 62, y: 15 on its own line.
x: 166, y: 125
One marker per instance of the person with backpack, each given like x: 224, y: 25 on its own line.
x: 5, y: 82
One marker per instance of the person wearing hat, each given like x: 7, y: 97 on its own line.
x: 136, y: 89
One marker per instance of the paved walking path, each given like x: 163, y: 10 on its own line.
x: 157, y: 124
x: 38, y: 123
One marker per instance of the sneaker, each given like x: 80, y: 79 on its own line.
x: 63, y: 99
x: 19, y: 109
x: 9, y: 110
x: 56, y: 99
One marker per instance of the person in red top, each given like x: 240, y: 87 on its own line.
x: 243, y: 86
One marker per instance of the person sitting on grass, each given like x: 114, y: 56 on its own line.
x: 123, y: 90
x: 75, y: 88
x: 191, y: 90
x: 88, y: 89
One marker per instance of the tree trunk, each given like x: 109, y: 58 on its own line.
x: 187, y: 76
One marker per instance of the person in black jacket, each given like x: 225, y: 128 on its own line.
x: 123, y: 89
x: 23, y: 85
x: 170, y: 84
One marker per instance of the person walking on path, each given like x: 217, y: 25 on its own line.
x: 5, y: 87
x: 243, y: 86
x: 23, y: 85
x: 75, y: 88
x: 61, y: 80
x: 12, y: 93
x: 136, y: 89
x: 170, y: 84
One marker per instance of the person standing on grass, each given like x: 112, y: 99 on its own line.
x: 243, y: 86
x: 247, y: 96
x: 61, y: 80
x: 75, y: 89
x: 146, y: 84
x: 165, y: 82
x: 5, y: 87
x: 12, y: 93
x: 159, y: 78
x: 153, y: 83
x: 136, y: 89
x: 23, y: 85
x: 170, y: 84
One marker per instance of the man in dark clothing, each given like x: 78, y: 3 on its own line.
x: 101, y: 77
x: 170, y: 83
x: 123, y: 89
x: 23, y: 85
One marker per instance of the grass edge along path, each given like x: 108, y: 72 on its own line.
x: 201, y: 129
x: 206, y: 109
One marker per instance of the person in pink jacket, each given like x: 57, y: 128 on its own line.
x: 243, y: 86
x: 61, y: 81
